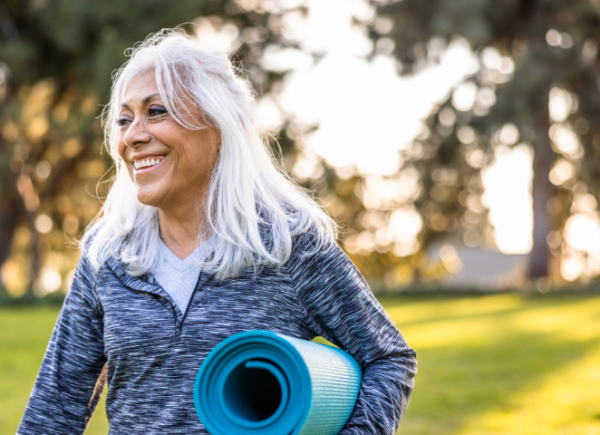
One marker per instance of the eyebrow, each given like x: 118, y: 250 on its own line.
x: 144, y: 101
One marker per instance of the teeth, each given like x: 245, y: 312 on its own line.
x: 145, y: 163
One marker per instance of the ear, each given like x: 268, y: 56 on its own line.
x: 217, y: 137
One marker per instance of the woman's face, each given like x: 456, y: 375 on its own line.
x: 169, y: 164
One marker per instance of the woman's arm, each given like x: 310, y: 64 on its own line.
x: 340, y: 307
x: 65, y: 393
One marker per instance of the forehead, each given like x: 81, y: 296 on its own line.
x: 139, y: 87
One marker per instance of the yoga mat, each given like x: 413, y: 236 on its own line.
x: 260, y: 382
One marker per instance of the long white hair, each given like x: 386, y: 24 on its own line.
x: 253, y: 208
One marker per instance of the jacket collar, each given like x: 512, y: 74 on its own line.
x: 133, y: 282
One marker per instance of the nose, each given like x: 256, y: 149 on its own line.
x: 137, y: 134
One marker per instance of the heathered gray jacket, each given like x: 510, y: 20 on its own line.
x: 152, y: 351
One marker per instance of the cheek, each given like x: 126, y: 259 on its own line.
x: 121, y: 147
x: 204, y: 149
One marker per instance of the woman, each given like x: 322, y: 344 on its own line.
x: 201, y: 237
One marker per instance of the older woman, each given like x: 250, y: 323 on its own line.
x: 201, y: 236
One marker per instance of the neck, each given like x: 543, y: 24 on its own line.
x: 183, y: 229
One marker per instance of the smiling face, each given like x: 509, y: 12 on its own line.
x: 169, y: 164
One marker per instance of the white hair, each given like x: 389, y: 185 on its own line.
x: 253, y: 208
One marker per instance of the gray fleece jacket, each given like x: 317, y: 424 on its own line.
x: 152, y: 351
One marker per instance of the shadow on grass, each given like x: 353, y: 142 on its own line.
x: 484, y: 371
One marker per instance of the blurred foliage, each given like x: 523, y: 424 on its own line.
x: 56, y: 60
x: 527, y: 50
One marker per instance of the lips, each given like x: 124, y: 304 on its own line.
x: 144, y: 165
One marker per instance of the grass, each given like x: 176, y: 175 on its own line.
x: 487, y: 365
x: 503, y: 364
x: 24, y: 335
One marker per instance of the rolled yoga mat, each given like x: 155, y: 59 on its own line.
x: 260, y: 382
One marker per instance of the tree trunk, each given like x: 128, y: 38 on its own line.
x: 9, y: 216
x: 12, y: 209
x: 542, y: 191
x: 9, y: 210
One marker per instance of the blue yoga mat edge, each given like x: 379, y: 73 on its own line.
x: 309, y: 368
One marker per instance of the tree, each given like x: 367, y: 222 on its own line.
x: 529, y: 50
x: 56, y: 59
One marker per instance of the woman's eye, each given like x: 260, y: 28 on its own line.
x: 122, y: 121
x: 155, y: 111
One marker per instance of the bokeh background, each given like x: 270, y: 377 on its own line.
x: 457, y: 143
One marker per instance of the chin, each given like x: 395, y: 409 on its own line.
x: 148, y: 198
x: 146, y: 201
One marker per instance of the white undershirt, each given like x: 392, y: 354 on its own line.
x: 179, y: 277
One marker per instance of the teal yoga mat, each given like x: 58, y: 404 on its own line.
x: 260, y: 382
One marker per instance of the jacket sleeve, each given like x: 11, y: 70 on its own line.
x: 340, y: 306
x: 67, y: 388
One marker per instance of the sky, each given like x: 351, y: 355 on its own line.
x: 367, y: 113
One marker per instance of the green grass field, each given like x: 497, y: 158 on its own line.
x: 491, y: 365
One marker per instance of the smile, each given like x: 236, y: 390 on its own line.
x: 145, y: 163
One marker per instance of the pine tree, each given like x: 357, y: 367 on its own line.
x: 528, y: 49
